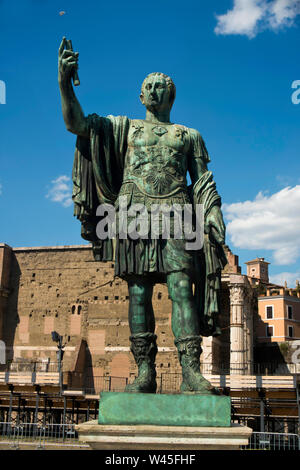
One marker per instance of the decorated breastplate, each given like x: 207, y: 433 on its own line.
x: 156, y: 170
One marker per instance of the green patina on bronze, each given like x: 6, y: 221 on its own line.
x: 164, y: 410
x: 147, y: 160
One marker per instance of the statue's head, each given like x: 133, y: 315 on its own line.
x: 158, y: 92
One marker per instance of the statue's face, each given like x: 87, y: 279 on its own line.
x: 156, y: 94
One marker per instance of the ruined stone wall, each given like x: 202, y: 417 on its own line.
x: 63, y: 289
x: 5, y: 261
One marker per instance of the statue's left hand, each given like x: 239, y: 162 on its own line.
x: 214, y: 224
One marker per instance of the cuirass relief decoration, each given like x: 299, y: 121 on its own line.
x: 159, y: 130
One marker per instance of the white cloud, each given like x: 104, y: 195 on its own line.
x: 288, y: 277
x: 248, y: 17
x: 61, y: 191
x: 269, y: 222
x: 242, y: 19
x: 283, y: 13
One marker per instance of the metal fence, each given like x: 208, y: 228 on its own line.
x: 64, y: 434
x: 267, y: 368
x: 29, y: 367
x: 166, y: 382
x: 37, y: 371
x: 96, y: 384
x: 40, y: 434
x: 251, y: 368
x: 273, y: 441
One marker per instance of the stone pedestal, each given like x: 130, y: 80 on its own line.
x: 149, y: 421
x: 164, y: 409
x: 149, y: 437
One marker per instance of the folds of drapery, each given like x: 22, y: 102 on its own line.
x: 97, y: 175
x: 212, y: 261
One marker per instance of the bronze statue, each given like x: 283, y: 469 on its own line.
x: 147, y: 161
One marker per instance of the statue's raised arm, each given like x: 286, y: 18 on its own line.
x: 72, y: 113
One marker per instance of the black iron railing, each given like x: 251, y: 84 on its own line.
x: 34, y: 366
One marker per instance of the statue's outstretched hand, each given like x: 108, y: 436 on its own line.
x: 67, y: 62
x: 214, y: 224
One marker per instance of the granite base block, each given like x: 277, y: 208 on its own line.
x: 114, y: 438
x: 164, y: 409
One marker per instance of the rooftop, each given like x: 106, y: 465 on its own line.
x: 256, y: 260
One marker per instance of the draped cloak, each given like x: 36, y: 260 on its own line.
x: 97, y: 179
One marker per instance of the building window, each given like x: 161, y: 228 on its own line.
x: 270, y: 331
x: 290, y: 331
x: 269, y: 311
x: 290, y: 311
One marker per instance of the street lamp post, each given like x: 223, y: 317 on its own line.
x: 58, y: 339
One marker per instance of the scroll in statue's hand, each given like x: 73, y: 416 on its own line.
x: 67, y: 62
x: 214, y: 225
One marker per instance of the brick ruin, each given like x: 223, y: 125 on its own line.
x: 63, y: 289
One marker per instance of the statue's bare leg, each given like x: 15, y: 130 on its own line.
x: 185, y: 326
x: 184, y: 316
x: 143, y: 339
x: 141, y: 316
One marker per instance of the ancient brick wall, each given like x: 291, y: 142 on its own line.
x: 64, y: 289
x: 5, y: 261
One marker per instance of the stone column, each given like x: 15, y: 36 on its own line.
x: 249, y: 332
x: 237, y: 334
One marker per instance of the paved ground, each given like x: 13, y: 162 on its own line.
x: 34, y: 446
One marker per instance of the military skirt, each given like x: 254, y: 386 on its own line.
x: 152, y: 257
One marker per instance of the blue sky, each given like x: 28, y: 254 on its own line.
x: 233, y: 63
